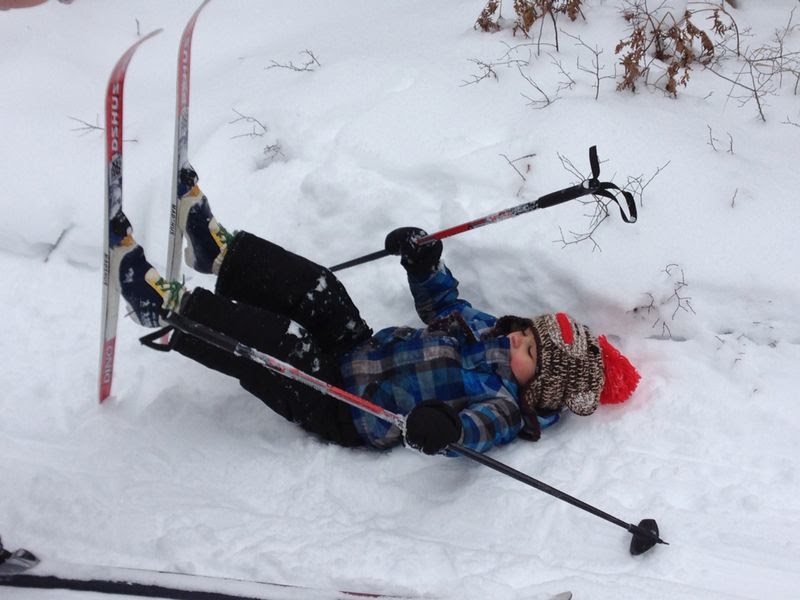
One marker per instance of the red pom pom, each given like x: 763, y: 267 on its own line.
x: 621, y: 376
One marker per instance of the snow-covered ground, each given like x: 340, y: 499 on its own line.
x: 182, y: 470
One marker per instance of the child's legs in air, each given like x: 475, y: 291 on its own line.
x: 263, y: 274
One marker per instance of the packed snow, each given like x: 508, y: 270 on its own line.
x: 323, y: 126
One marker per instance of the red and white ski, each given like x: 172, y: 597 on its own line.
x: 181, y: 152
x: 113, y: 204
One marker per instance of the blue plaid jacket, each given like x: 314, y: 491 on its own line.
x: 399, y: 367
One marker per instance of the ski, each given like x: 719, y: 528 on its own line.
x: 22, y: 569
x: 181, y: 149
x: 113, y: 204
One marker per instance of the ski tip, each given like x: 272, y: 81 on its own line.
x: 147, y: 36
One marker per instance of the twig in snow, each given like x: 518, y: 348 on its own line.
x: 310, y: 64
x: 513, y: 166
x: 86, y: 127
x: 58, y: 241
x: 545, y: 100
x: 485, y: 71
x: 258, y: 128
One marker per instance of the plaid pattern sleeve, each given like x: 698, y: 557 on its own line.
x: 491, y: 423
x: 437, y: 296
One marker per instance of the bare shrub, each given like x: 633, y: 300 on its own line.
x: 675, y: 43
x: 486, y: 20
x: 765, y: 69
x: 528, y: 13
x: 663, y: 306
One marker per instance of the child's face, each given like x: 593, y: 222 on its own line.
x: 523, y: 355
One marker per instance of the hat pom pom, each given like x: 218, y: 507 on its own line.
x: 621, y: 376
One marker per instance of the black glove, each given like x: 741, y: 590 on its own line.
x: 431, y: 426
x: 419, y: 260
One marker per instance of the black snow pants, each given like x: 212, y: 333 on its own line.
x: 290, y: 308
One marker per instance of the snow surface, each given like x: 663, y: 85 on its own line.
x: 182, y: 470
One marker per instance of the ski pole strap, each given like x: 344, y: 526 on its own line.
x: 594, y: 187
x: 150, y: 340
x: 600, y: 188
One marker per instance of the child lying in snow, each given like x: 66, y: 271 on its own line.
x: 467, y: 377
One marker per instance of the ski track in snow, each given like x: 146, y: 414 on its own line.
x: 182, y: 470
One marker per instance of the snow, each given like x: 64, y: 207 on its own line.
x: 182, y: 470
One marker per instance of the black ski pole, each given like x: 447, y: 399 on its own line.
x: 592, y: 186
x: 645, y: 534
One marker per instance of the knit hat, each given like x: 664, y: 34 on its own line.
x: 575, y: 369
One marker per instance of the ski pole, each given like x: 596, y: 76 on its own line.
x: 237, y: 348
x: 645, y: 534
x: 591, y: 186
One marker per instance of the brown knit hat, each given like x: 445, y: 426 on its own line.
x: 576, y: 369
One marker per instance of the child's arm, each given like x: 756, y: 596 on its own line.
x: 436, y: 295
x: 434, y: 288
x: 490, y: 423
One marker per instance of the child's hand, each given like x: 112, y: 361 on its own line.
x: 419, y: 260
x: 431, y: 426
